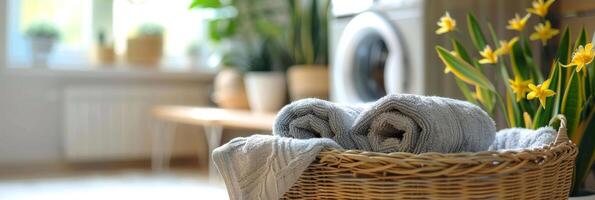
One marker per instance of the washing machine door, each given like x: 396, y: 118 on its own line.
x: 369, y: 60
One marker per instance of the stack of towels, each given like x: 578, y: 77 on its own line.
x: 265, y: 167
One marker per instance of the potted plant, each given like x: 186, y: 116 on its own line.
x: 530, y: 97
x: 146, y: 48
x: 308, y: 48
x: 42, y: 37
x: 264, y: 79
x: 257, y: 53
x: 105, y: 52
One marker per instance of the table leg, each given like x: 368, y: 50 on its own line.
x: 162, y: 139
x: 213, y: 135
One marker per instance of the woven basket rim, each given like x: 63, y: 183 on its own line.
x: 451, y: 164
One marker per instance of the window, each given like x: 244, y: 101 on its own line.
x: 80, y: 22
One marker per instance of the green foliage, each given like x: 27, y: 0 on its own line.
x: 308, y: 31
x: 150, y: 29
x: 303, y: 41
x: 573, y: 90
x: 475, y: 32
x: 206, y: 4
x: 42, y: 29
x: 464, y: 70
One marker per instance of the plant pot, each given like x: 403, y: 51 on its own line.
x: 105, y: 55
x: 308, y: 81
x: 230, y: 91
x: 144, y: 50
x: 266, y: 91
x: 41, y: 48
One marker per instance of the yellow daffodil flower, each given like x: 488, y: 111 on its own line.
x: 544, y: 32
x: 582, y: 57
x: 446, y: 24
x: 540, y: 7
x: 505, y: 47
x: 520, y: 87
x: 517, y: 23
x: 489, y: 57
x: 541, y: 92
x: 447, y: 68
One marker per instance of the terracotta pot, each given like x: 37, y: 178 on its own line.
x: 266, y: 91
x: 105, y: 55
x: 229, y: 90
x: 308, y: 81
x: 144, y: 50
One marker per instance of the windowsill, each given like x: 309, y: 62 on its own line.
x: 112, y: 71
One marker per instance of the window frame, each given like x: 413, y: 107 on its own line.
x: 3, y: 37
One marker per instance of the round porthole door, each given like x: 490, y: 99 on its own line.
x: 369, y: 61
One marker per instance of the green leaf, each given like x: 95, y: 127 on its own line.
x: 587, y: 83
x: 582, y: 39
x: 543, y: 116
x: 514, y: 114
x: 477, y: 36
x: 536, y: 72
x: 586, y: 155
x: 486, y: 97
x: 591, y: 71
x: 466, y: 92
x: 572, y: 103
x: 205, y: 4
x: 464, y: 70
x: 519, y: 64
x: 458, y: 47
x: 563, y: 53
x: 493, y: 35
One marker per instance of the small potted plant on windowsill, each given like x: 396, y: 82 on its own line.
x: 308, y: 47
x: 42, y: 37
x: 146, y: 48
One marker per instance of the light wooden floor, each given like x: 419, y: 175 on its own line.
x: 122, y: 184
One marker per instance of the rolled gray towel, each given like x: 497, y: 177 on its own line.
x: 265, y: 166
x: 418, y: 124
x: 315, y: 118
x: 522, y: 138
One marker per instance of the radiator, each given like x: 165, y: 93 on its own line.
x: 113, y: 123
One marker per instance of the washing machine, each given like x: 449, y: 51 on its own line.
x: 377, y: 48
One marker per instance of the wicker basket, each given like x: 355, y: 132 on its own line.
x: 544, y: 173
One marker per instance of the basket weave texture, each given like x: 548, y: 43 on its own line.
x: 544, y: 173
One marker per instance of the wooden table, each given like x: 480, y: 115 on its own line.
x: 212, y: 119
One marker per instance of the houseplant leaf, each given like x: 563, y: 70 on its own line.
x: 563, y: 55
x: 464, y: 70
x: 206, y: 4
x: 519, y: 64
x: 466, y: 92
x: 477, y: 36
x: 543, y: 116
x: 572, y: 103
x: 586, y: 154
x: 460, y: 49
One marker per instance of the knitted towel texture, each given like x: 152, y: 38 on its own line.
x: 315, y: 118
x: 418, y: 124
x: 516, y: 139
x: 264, y: 166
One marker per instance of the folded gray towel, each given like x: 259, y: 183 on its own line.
x: 264, y: 166
x: 315, y: 118
x: 417, y: 124
x: 522, y: 138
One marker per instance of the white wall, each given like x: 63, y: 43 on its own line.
x: 31, y: 110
